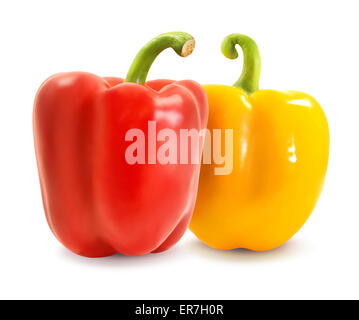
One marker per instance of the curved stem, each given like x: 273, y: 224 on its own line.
x: 182, y: 43
x: 249, y: 78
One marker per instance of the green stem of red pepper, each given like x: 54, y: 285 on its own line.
x: 182, y: 43
x: 249, y: 78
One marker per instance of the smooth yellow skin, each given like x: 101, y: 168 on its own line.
x: 281, y: 149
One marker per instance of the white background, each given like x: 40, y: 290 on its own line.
x: 309, y: 46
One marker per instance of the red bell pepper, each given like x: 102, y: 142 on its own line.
x: 96, y: 203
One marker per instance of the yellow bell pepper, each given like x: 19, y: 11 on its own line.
x: 280, y: 157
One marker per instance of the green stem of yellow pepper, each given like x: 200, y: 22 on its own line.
x: 182, y: 43
x: 249, y: 78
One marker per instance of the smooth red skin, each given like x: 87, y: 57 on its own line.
x: 96, y: 203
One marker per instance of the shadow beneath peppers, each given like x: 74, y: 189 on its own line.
x: 190, y: 250
x: 292, y: 248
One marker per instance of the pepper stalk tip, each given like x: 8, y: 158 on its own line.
x: 188, y: 47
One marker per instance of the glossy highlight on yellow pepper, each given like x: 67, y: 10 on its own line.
x: 280, y: 157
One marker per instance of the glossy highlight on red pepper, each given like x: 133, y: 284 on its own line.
x: 95, y: 202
